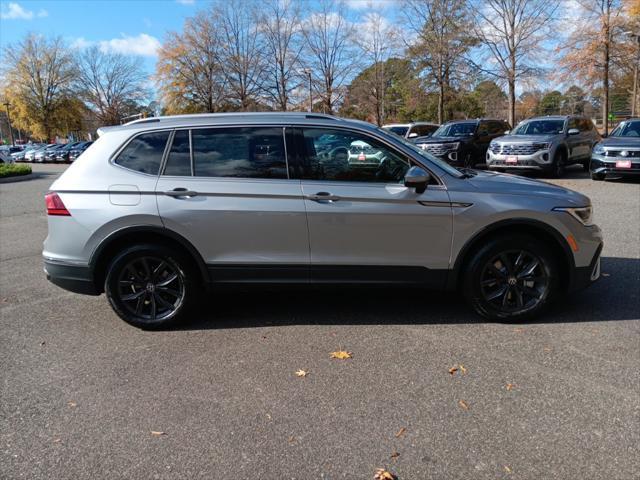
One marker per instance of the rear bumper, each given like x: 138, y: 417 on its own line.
x: 74, y: 278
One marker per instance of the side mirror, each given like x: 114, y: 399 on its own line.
x: 573, y: 131
x: 507, y: 132
x: 417, y: 178
x: 412, y: 135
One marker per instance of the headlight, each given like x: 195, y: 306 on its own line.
x: 454, y: 146
x: 583, y: 214
x: 598, y: 149
x: 543, y: 146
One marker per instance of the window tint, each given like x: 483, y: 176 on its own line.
x: 573, y: 123
x: 350, y: 157
x: 239, y: 152
x: 179, y: 158
x: 586, y: 125
x: 423, y: 130
x: 144, y: 153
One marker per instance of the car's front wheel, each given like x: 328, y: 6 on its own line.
x: 511, y: 278
x: 557, y: 167
x: 597, y: 176
x: 150, y: 286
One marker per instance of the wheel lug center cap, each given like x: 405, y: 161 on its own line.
x: 150, y: 287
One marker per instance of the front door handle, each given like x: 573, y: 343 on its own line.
x: 180, y: 193
x: 323, y: 197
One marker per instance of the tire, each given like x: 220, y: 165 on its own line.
x: 468, y: 161
x: 598, y: 177
x: 521, y: 271
x: 162, y: 286
x: 558, y: 165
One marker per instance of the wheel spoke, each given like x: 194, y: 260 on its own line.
x: 496, y: 271
x: 529, y: 269
x: 158, y: 270
x: 507, y: 263
x: 491, y: 281
x: 169, y: 291
x: 135, y: 273
x: 498, y: 293
x: 520, y: 259
x: 167, y: 281
x: 145, y: 264
x: 505, y: 297
x: 532, y: 292
x: 140, y: 303
x: 163, y: 302
x: 133, y: 296
x: 152, y: 298
x: 518, y: 294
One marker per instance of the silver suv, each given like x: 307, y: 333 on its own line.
x: 546, y: 143
x: 159, y: 210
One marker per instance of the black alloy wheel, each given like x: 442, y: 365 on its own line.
x: 150, y: 288
x: 514, y: 281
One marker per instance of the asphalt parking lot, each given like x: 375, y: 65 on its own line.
x: 82, y: 391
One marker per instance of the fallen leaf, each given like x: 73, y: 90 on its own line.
x: 57, y: 440
x: 453, y: 370
x: 72, y: 404
x: 547, y: 349
x: 382, y: 474
x: 268, y: 416
x: 401, y: 432
x: 301, y: 373
x: 395, y: 455
x: 510, y: 386
x: 4, y: 300
x: 507, y: 469
x: 341, y: 355
x: 42, y: 344
x: 518, y: 330
x: 463, y: 404
x: 462, y: 369
x: 292, y: 439
x: 157, y: 434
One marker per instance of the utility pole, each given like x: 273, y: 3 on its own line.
x: 308, y: 72
x: 6, y: 105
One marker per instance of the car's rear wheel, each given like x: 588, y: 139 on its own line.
x: 586, y: 165
x: 511, y: 278
x: 597, y: 176
x: 150, y: 286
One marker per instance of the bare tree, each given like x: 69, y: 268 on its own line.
x: 241, y: 49
x: 589, y: 53
x: 512, y: 33
x: 328, y: 37
x: 39, y: 75
x: 442, y: 30
x: 280, y: 24
x: 188, y: 70
x: 110, y: 83
x: 377, y: 43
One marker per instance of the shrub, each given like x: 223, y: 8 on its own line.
x: 13, y: 169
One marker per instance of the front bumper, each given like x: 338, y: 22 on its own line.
x: 540, y: 160
x: 74, y: 278
x: 607, y: 165
x: 582, y: 277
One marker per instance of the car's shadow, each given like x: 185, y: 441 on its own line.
x: 614, y: 297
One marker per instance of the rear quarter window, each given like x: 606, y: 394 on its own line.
x: 144, y: 153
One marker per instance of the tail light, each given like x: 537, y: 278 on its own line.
x: 55, y: 205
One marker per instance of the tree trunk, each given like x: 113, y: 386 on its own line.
x: 605, y: 78
x: 441, y: 102
x: 512, y: 102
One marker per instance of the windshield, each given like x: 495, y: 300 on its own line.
x: 539, y: 127
x: 402, y: 131
x: 456, y: 130
x: 422, y: 153
x: 629, y: 128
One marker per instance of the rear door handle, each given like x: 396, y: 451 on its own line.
x: 323, y: 197
x: 180, y: 193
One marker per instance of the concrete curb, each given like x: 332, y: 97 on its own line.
x: 18, y: 178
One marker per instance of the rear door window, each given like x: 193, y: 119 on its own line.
x: 144, y: 153
x: 179, y: 157
x: 247, y: 152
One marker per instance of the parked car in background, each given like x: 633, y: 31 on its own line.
x: 76, y: 151
x: 160, y: 209
x: 51, y: 152
x: 547, y: 144
x: 62, y: 154
x: 31, y: 155
x: 28, y: 152
x: 619, y: 154
x: 463, y: 142
x: 7, y: 153
x: 412, y: 130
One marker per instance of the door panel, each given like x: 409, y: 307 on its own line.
x: 378, y: 224
x: 241, y: 226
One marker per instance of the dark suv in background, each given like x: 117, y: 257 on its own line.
x: 463, y: 143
